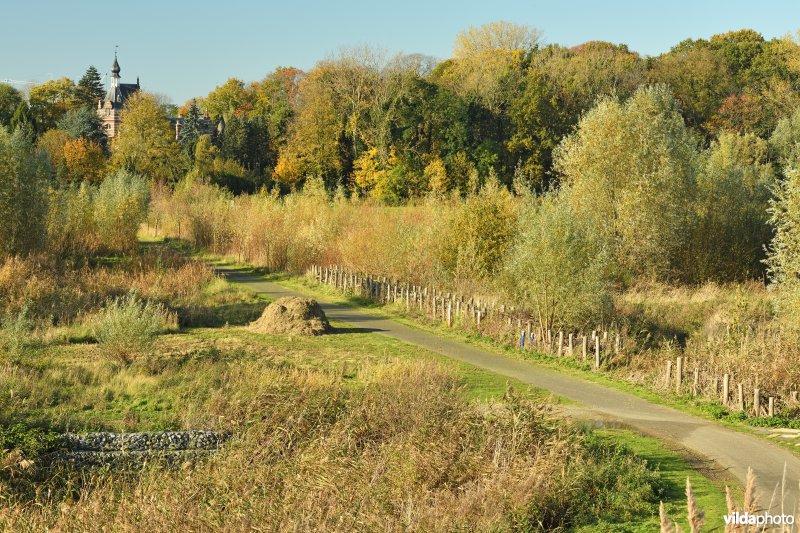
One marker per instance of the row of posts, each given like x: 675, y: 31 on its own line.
x: 675, y: 375
x: 449, y: 308
x: 437, y: 304
x: 561, y: 345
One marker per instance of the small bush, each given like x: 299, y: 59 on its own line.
x: 129, y: 325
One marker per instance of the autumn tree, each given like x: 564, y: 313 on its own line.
x: 226, y: 99
x: 698, y: 77
x: 314, y: 145
x: 50, y: 101
x: 585, y: 73
x: 84, y: 160
x: 84, y: 123
x: 487, y: 58
x: 146, y: 142
x: 51, y: 144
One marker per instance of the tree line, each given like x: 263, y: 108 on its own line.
x: 675, y: 167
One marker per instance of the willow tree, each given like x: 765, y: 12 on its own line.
x: 631, y: 168
x: 24, y: 180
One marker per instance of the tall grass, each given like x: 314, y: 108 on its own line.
x: 402, y: 449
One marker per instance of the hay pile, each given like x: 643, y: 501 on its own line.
x: 292, y: 315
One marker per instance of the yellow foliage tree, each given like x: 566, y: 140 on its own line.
x: 436, y: 176
x: 146, y: 142
x: 368, y: 170
x: 84, y: 160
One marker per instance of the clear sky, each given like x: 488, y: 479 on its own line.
x: 184, y: 49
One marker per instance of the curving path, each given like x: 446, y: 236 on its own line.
x: 732, y: 450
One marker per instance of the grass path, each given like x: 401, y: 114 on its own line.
x: 734, y: 451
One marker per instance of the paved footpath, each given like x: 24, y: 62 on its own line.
x: 730, y: 449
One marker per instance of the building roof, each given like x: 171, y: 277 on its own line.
x: 115, y: 67
x: 118, y: 95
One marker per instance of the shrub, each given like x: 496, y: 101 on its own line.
x: 557, y: 269
x: 128, y: 325
x: 120, y: 207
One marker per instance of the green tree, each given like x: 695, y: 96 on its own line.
x: 84, y: 123
x: 89, y: 90
x: 146, y: 143
x: 783, y: 261
x: 10, y: 99
x: 120, y: 206
x: 785, y: 140
x: 730, y: 229
x: 538, y: 125
x: 631, y: 167
x: 557, y: 268
x: 191, y: 130
x: 246, y: 141
x: 24, y: 180
x: 24, y: 120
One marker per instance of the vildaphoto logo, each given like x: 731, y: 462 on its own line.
x: 752, y: 519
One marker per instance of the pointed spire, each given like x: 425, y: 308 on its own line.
x: 115, y: 67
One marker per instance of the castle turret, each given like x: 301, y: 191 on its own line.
x: 118, y: 92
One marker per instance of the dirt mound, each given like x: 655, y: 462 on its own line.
x: 292, y: 315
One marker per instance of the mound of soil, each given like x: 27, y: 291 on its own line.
x: 292, y: 315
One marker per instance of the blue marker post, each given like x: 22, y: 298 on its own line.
x: 522, y: 340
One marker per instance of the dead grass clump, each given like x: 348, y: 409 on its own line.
x: 292, y: 315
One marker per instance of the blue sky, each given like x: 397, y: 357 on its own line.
x: 184, y: 49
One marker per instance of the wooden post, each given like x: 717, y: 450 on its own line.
x: 618, y: 345
x: 678, y: 375
x: 696, y: 382
x: 726, y: 390
x: 479, y: 318
x: 668, y: 375
x: 449, y: 317
x: 528, y: 334
x: 771, y: 406
x: 585, y: 347
x: 560, y: 343
x: 597, y: 352
x: 757, y: 402
x: 741, y: 396
x: 570, y: 346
